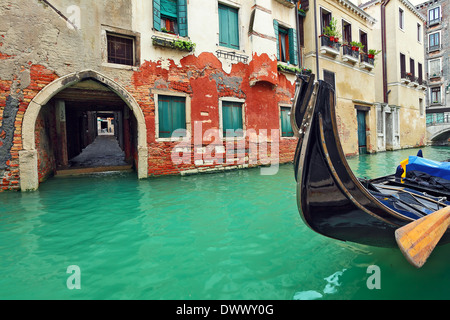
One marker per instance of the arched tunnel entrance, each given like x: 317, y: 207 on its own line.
x: 82, y: 123
x: 93, y: 131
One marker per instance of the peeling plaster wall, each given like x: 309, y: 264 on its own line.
x: 33, y: 57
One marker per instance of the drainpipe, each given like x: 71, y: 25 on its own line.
x: 299, y: 55
x: 317, y: 41
x: 383, y: 49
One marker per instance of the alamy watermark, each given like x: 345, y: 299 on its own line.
x: 74, y: 17
x: 74, y: 280
x: 233, y: 147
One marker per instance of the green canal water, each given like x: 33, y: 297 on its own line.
x: 234, y: 235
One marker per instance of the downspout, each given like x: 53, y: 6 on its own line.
x: 299, y: 54
x: 383, y: 49
x: 317, y: 41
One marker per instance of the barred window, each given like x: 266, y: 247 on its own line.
x: 120, y: 49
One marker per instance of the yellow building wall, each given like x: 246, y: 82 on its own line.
x: 354, y: 84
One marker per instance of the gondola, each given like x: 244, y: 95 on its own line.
x: 331, y: 200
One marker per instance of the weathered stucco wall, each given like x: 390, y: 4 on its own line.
x: 33, y: 58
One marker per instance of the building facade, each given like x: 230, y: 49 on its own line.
x: 400, y: 74
x: 437, y: 47
x: 350, y: 72
x: 187, y: 98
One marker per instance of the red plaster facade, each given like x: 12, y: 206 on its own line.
x: 202, y: 78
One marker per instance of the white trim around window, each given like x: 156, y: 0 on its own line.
x: 231, y: 99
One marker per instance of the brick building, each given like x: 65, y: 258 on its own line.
x: 192, y: 88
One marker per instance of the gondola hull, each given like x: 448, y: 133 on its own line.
x: 331, y: 199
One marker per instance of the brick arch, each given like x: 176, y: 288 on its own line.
x: 28, y: 164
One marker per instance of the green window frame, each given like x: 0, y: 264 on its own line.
x: 285, y: 119
x: 171, y: 9
x: 171, y: 115
x: 291, y: 43
x: 228, y: 27
x: 232, y: 122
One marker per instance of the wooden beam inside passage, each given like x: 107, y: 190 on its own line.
x: 90, y: 96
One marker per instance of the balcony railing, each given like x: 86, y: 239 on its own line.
x: 329, y: 46
x: 365, y: 58
x: 349, y: 54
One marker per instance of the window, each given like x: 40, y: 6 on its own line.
x: 420, y: 74
x: 436, y: 95
x: 170, y: 16
x: 363, y: 40
x: 283, y: 44
x: 171, y: 115
x: 435, y: 68
x: 421, y: 108
x: 120, y: 49
x: 419, y: 32
x: 232, y: 123
x: 434, y: 41
x: 402, y: 66
x: 347, y: 31
x: 287, y: 46
x: 328, y: 77
x: 411, y: 67
x: 285, y: 120
x: 325, y: 19
x: 401, y: 18
x: 228, y: 27
x: 434, y: 16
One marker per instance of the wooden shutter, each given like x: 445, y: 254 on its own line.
x: 275, y: 27
x: 233, y: 24
x: 182, y: 18
x: 328, y: 77
x: 171, y: 115
x: 231, y: 117
x: 293, y: 47
x: 228, y: 27
x: 157, y: 15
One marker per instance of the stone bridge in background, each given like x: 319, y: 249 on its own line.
x: 438, y: 133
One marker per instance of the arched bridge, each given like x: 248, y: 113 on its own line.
x: 438, y: 133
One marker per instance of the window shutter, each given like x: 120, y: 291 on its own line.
x: 223, y: 26
x: 178, y: 114
x: 275, y: 27
x: 233, y: 24
x: 182, y: 18
x: 164, y: 118
x: 157, y: 15
x: 293, y: 47
x: 231, y: 118
x: 171, y: 114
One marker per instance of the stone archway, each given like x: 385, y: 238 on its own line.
x: 28, y: 157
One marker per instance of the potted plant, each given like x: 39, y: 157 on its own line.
x: 356, y: 46
x: 372, y: 53
x: 331, y: 31
x: 184, y: 45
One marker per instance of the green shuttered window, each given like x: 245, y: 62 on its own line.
x: 171, y: 115
x: 228, y: 27
x: 287, y: 46
x: 170, y: 15
x: 286, y: 129
x: 232, y: 119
